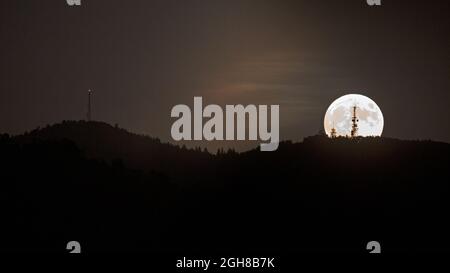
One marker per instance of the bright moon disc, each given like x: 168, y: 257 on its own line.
x: 339, y: 116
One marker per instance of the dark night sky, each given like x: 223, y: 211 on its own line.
x: 143, y: 57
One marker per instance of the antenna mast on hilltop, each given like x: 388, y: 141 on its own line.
x: 89, y: 105
x: 354, y: 131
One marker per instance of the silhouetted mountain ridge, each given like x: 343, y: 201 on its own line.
x: 100, y: 140
x: 120, y: 191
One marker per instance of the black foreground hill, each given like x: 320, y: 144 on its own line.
x: 112, y: 190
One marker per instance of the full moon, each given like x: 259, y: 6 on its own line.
x: 339, y: 115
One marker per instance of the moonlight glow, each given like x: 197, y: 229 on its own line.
x: 339, y: 116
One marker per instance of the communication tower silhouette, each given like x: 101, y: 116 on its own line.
x: 354, y: 131
x: 89, y: 105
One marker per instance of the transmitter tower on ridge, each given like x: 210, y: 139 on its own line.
x: 89, y: 113
x: 354, y: 131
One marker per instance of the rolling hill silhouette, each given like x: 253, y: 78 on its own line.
x: 117, y: 191
x: 102, y: 141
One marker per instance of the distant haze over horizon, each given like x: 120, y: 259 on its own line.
x: 142, y: 57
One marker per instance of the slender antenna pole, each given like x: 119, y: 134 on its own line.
x: 89, y: 105
x: 354, y: 131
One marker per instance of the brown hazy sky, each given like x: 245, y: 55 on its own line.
x: 143, y: 57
